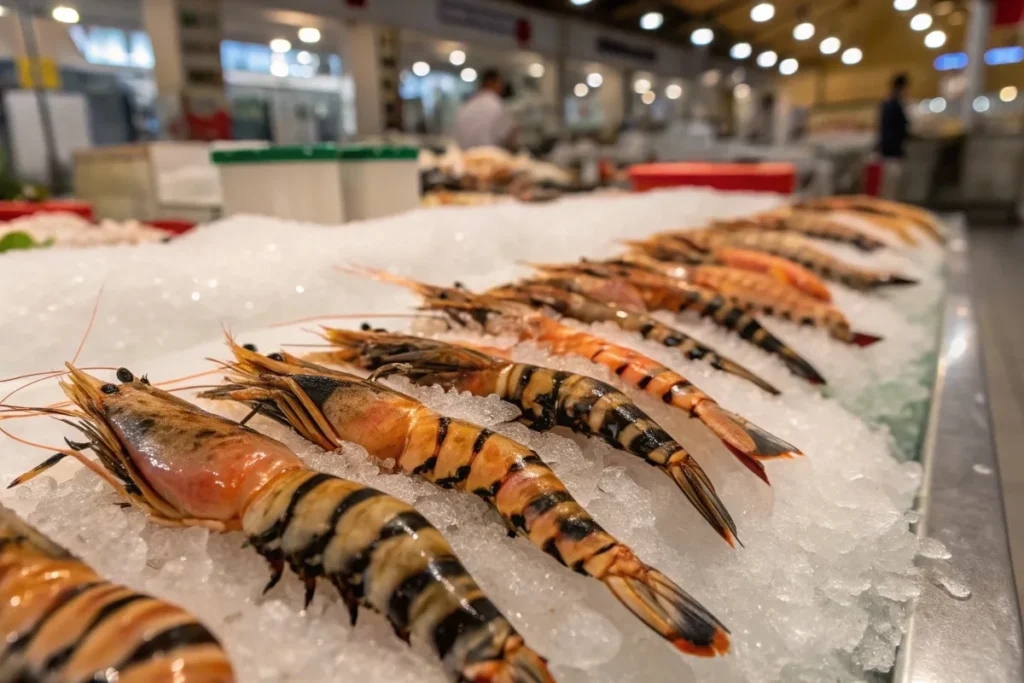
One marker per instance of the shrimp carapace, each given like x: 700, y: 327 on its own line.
x: 657, y: 283
x: 60, y: 621
x: 329, y: 407
x: 185, y: 466
x: 819, y: 226
x: 746, y: 441
x: 547, y: 398
x: 567, y: 298
x: 875, y: 207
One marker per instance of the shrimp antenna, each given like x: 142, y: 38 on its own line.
x: 92, y: 319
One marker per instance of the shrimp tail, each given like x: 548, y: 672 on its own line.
x: 734, y: 368
x: 696, y: 486
x: 800, y: 367
x: 863, y: 339
x: 668, y: 609
x: 894, y: 279
x: 767, y: 446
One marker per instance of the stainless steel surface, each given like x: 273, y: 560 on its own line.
x: 978, y: 638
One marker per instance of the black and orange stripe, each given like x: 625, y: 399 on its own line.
x: 380, y: 553
x: 453, y: 453
x: 63, y: 622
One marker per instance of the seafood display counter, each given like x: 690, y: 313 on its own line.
x: 516, y: 473
x: 961, y: 504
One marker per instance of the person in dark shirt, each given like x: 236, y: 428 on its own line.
x: 893, y: 133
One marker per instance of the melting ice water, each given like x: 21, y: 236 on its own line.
x: 818, y: 593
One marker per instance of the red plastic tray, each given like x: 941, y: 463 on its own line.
x: 772, y: 177
x: 9, y: 210
x: 174, y: 227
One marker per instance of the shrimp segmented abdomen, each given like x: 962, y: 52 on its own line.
x: 380, y: 552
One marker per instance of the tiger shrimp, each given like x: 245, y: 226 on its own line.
x: 60, y: 621
x: 329, y: 407
x: 656, y: 288
x: 745, y: 440
x: 875, y: 207
x: 563, y: 299
x: 184, y: 466
x: 797, y: 249
x: 547, y: 398
x: 674, y: 248
x: 819, y: 226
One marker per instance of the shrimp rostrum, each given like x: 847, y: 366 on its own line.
x: 61, y: 621
x: 184, y: 466
x: 330, y: 408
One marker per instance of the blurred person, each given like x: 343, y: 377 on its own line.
x: 483, y: 119
x: 893, y: 131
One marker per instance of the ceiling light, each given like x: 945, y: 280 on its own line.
x: 981, y: 104
x: 594, y: 80
x: 421, y: 68
x: 767, y: 59
x: 648, y: 97
x: 280, y: 45
x: 829, y: 46
x: 457, y: 57
x: 65, y: 14
x: 803, y: 31
x: 468, y: 74
x: 580, y: 3
x: 1008, y: 94
x: 956, y: 18
x: 762, y: 12
x: 1004, y: 55
x: 674, y: 91
x: 935, y: 39
x: 309, y: 34
x: 580, y: 90
x: 943, y: 8
x: 652, y: 21
x: 641, y: 85
x: 922, y: 106
x: 904, y: 5
x: 711, y: 78
x: 741, y: 91
x: 852, y: 56
x: 702, y: 36
x: 921, y: 22
x: 304, y: 57
x: 788, y: 67
x: 536, y: 70
x: 740, y: 51
x: 937, y: 105
x: 279, y: 67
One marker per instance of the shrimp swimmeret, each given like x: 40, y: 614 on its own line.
x: 184, y: 466
x: 330, y: 408
x: 748, y: 442
x: 61, y: 621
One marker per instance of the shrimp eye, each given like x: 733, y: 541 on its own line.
x: 442, y: 296
x: 249, y: 347
x: 145, y: 379
x: 125, y: 375
x: 275, y: 356
x: 109, y: 388
x: 365, y: 327
x: 459, y: 285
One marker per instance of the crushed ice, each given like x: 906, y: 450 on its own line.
x: 819, y: 592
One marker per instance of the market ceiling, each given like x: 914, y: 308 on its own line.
x: 881, y: 29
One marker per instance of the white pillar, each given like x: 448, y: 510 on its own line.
x: 975, y: 41
x: 186, y: 36
x: 370, y: 60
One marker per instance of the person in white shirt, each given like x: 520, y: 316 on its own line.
x: 483, y: 120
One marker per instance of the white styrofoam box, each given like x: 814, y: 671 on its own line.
x: 380, y: 181
x: 296, y: 189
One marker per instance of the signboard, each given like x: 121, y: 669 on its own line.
x: 469, y: 14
